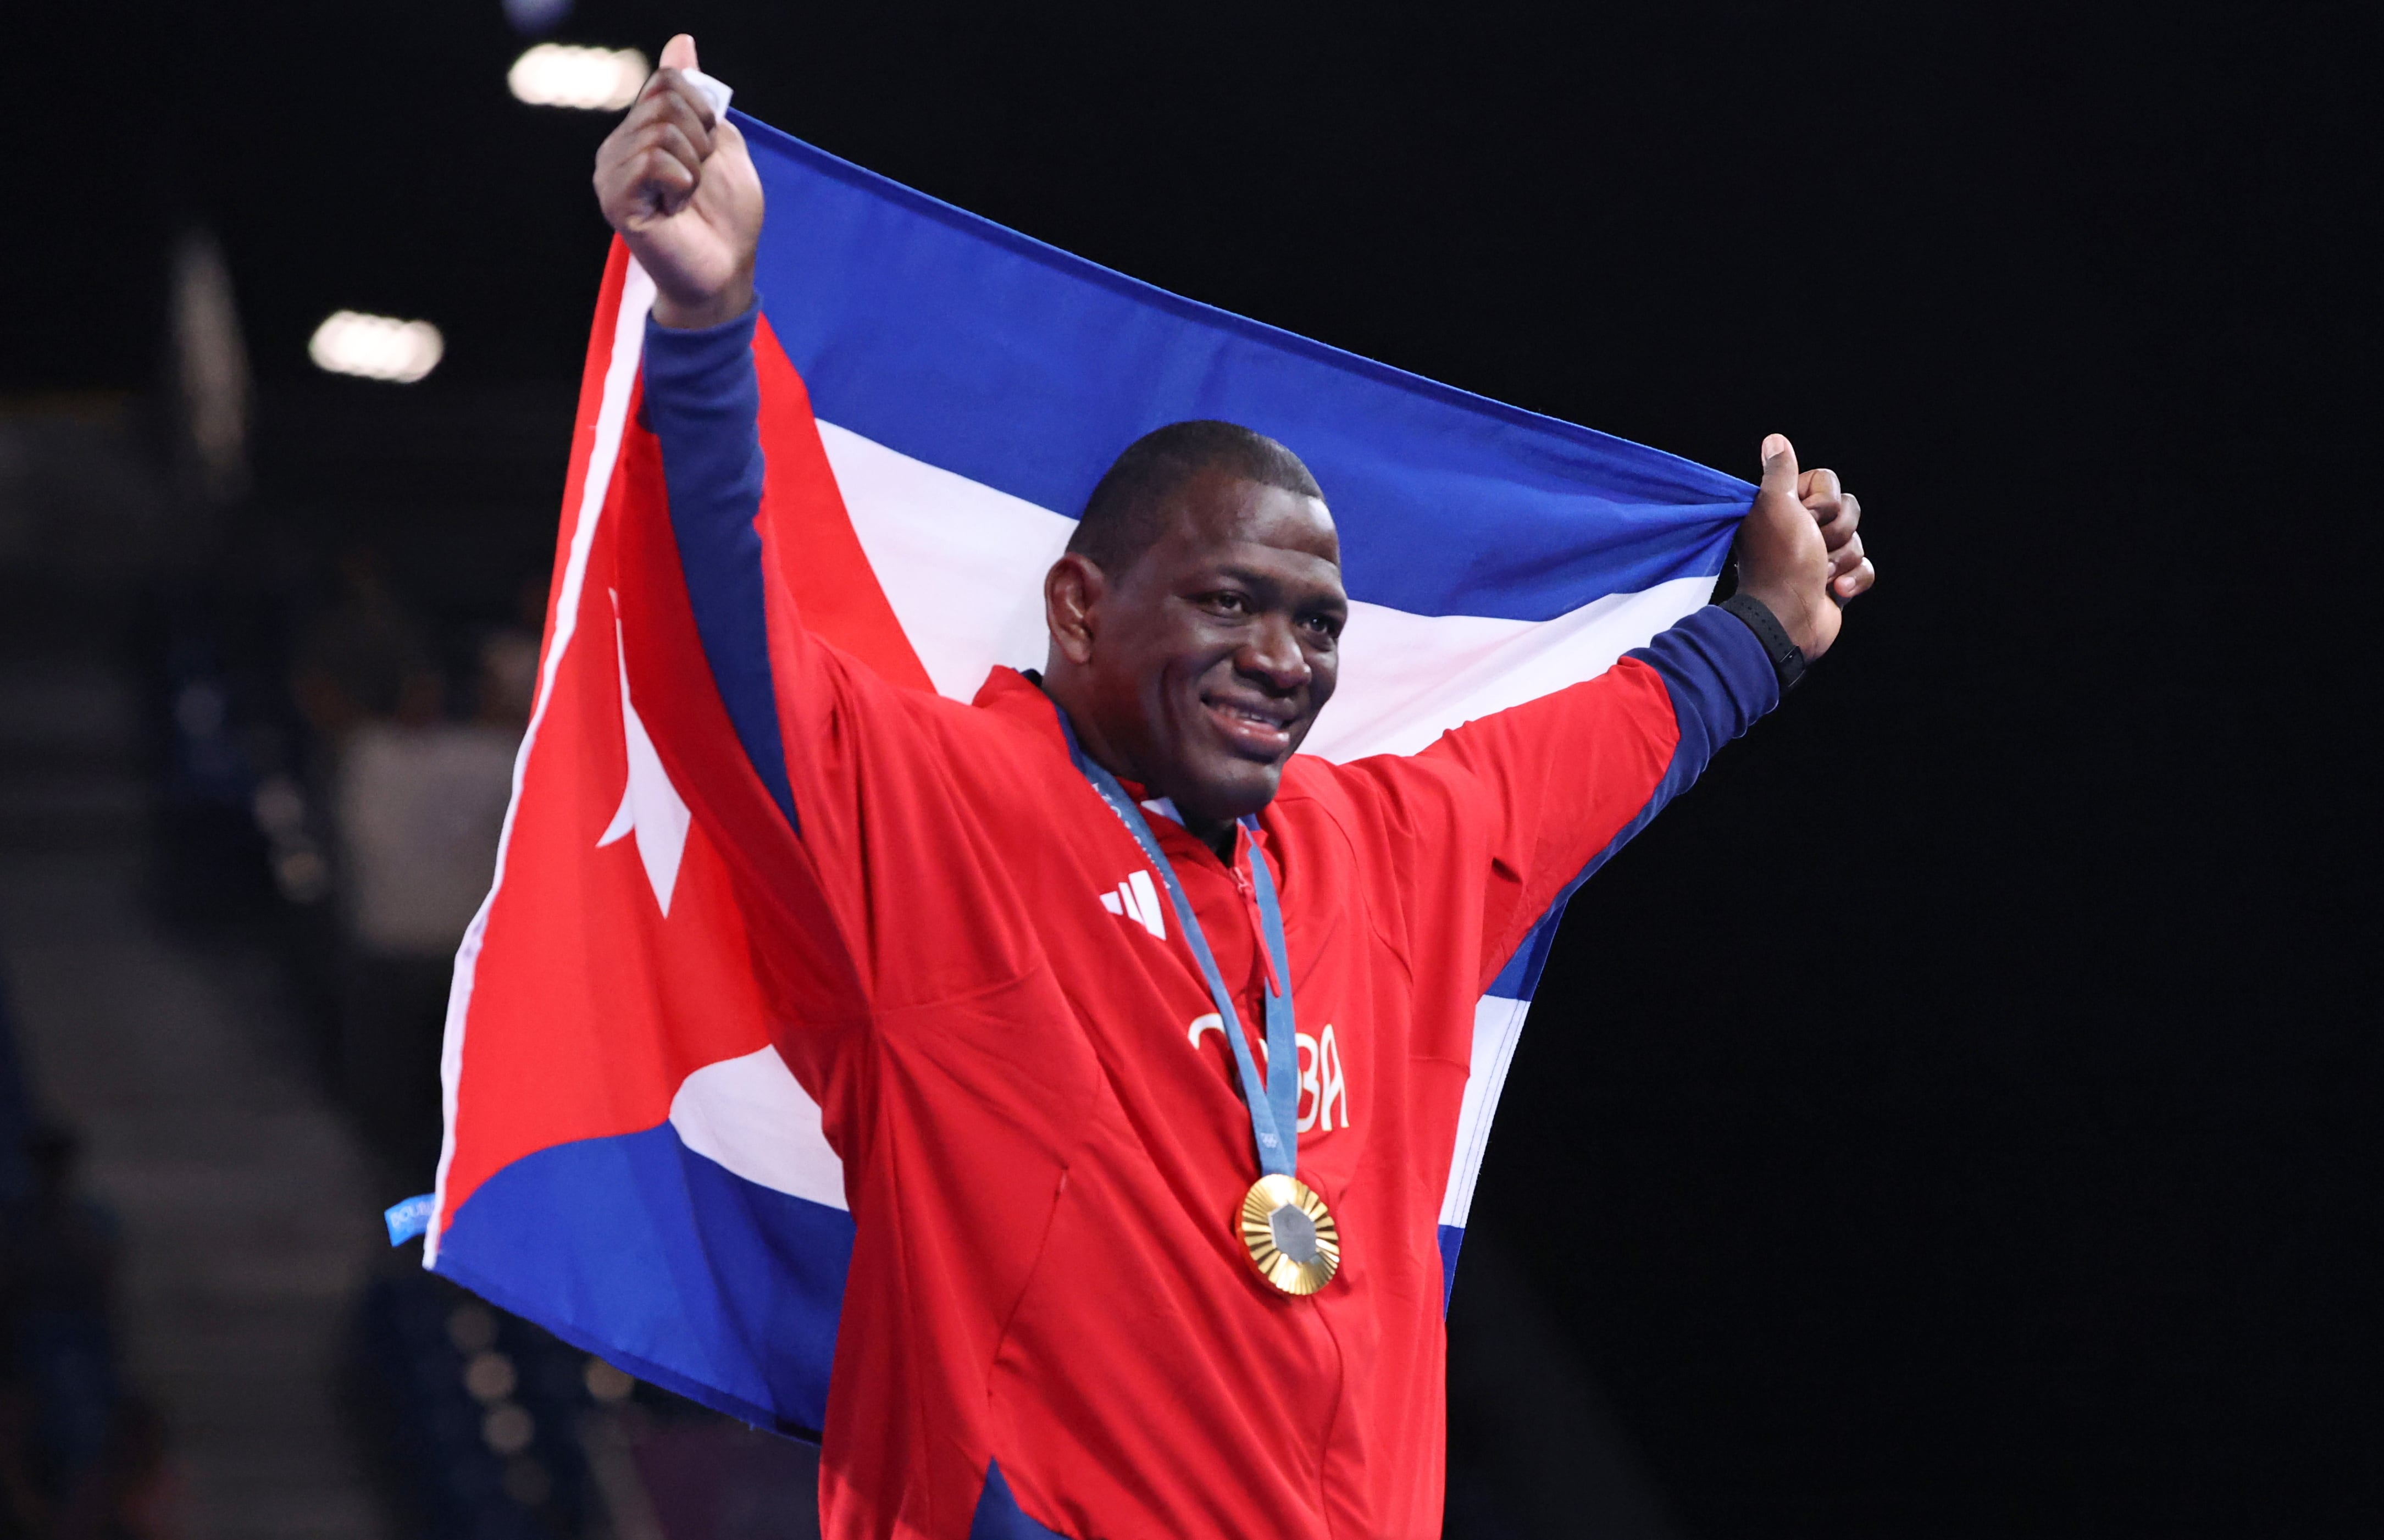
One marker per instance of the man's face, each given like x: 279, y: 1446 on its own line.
x: 1212, y: 652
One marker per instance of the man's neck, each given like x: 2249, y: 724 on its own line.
x: 1220, y: 839
x: 1217, y: 834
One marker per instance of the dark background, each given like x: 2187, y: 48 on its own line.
x: 1953, y: 1117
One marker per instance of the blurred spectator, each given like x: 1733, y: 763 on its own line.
x: 498, y: 1430
x: 509, y: 660
x: 416, y: 800
x: 357, y: 656
x: 419, y: 802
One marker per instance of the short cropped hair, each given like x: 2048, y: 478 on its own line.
x: 1126, y: 515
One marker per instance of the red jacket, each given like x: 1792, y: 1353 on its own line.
x: 1050, y: 1321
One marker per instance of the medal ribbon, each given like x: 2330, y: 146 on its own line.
x: 1274, y: 1110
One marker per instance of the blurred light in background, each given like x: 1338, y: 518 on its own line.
x: 558, y: 75
x: 606, y: 1384
x: 376, y: 347
x: 536, y: 18
x: 489, y: 1377
x: 508, y: 1429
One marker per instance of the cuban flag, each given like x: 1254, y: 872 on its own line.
x: 628, y: 1162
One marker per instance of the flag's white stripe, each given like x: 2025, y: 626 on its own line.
x: 750, y: 1116
x: 612, y: 416
x: 1497, y: 1023
x: 1408, y: 678
x: 963, y: 566
x: 961, y: 563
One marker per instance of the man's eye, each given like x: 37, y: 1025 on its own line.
x: 1232, y: 603
x: 1325, y: 627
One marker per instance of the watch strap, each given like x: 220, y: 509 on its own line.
x: 1787, y: 660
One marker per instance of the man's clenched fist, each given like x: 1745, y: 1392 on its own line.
x: 1798, y: 550
x: 678, y: 185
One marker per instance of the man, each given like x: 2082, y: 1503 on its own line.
x: 1144, y: 1215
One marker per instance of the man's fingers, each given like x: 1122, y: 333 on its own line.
x: 660, y: 176
x: 668, y: 102
x: 669, y: 93
x: 1778, y: 466
x: 1850, y: 571
x: 672, y: 140
x: 680, y: 53
x: 1839, y: 519
x: 685, y: 108
x: 1816, y: 484
x: 667, y: 136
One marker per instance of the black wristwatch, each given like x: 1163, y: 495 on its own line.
x: 1786, y: 660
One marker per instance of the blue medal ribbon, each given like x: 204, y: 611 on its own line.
x: 1274, y: 1110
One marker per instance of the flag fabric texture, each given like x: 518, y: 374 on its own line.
x: 629, y: 1161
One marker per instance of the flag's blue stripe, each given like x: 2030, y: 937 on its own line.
x: 1452, y: 1238
x: 668, y: 1265
x: 989, y: 355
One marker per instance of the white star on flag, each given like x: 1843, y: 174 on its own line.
x: 649, y: 805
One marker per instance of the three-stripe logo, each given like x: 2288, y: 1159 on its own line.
x: 1138, y: 898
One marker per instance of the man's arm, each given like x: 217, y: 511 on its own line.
x: 675, y: 182
x: 836, y: 784
x: 1555, y: 786
x: 706, y: 516
x: 1563, y: 782
x: 678, y: 185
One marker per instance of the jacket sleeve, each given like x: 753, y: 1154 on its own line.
x: 1547, y: 791
x: 703, y: 404
x: 831, y: 783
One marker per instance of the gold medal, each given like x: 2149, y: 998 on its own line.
x: 1293, y: 1241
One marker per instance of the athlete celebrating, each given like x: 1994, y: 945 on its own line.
x: 1144, y: 1189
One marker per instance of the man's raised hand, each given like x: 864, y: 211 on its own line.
x: 1798, y: 550
x: 678, y: 185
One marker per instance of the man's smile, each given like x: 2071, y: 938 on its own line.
x: 1254, y: 725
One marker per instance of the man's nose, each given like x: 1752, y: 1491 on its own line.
x: 1275, y: 656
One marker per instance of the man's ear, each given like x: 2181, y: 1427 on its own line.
x: 1072, y: 591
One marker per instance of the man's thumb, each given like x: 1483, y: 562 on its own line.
x: 1779, y: 466
x: 680, y: 53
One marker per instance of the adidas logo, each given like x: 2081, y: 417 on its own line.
x: 1138, y: 898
